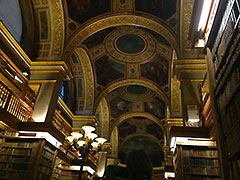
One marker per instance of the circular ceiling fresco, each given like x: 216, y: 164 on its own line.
x: 130, y: 45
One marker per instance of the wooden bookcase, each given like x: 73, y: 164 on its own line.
x: 196, y: 163
x: 224, y: 75
x: 26, y: 158
x: 56, y: 173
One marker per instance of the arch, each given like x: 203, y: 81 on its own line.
x: 88, y: 78
x: 118, y: 20
x: 105, y: 118
x: 141, y: 82
x: 140, y: 134
x: 139, y: 114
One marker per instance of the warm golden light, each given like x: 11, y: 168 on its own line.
x: 81, y: 143
x: 91, y: 136
x: 88, y: 129
x: 76, y: 135
x: 70, y: 138
x: 94, y: 144
x: 101, y: 140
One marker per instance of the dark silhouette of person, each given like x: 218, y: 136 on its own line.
x: 139, y: 167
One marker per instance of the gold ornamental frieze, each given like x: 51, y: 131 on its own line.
x: 140, y: 82
x: 120, y: 20
x: 125, y: 94
x: 89, y: 80
x: 137, y: 114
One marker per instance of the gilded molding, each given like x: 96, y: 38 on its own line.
x: 58, y: 27
x: 133, y: 71
x: 89, y: 78
x: 145, y: 55
x: 148, y: 95
x: 122, y: 6
x: 96, y: 52
x: 77, y: 118
x: 190, y: 61
x: 187, y: 6
x: 164, y: 51
x: 114, y: 141
x: 119, y: 20
x: 105, y: 118
x: 176, y: 97
x: 8, y: 38
x: 140, y: 82
x: 137, y: 114
x: 158, y: 141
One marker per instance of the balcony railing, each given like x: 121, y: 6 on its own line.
x: 14, y: 105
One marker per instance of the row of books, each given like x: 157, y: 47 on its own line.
x: 16, y: 151
x: 231, y: 86
x: 194, y: 177
x: 48, y: 154
x: 230, y: 116
x: 12, y: 166
x: 57, y: 173
x: 11, y: 175
x: 44, y: 169
x: 18, y: 144
x: 203, y: 170
x: 46, y: 162
x: 200, y: 161
x: 21, y: 159
x: 200, y: 153
x: 42, y: 176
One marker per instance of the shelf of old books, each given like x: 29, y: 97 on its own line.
x: 26, y: 158
x: 196, y: 159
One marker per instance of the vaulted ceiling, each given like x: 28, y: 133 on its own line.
x: 121, y: 55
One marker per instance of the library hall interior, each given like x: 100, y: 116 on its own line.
x: 167, y: 106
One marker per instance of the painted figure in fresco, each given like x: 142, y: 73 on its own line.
x: 81, y: 6
x: 118, y: 107
x: 156, y: 70
x: 156, y: 107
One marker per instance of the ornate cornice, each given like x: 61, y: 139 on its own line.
x: 118, y: 20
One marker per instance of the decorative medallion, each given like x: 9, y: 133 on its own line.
x: 130, y: 45
x: 136, y: 93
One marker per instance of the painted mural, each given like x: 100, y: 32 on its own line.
x: 160, y: 8
x: 158, y: 37
x: 154, y: 130
x: 119, y: 106
x: 83, y: 10
x: 130, y: 43
x: 147, y: 144
x: 156, y: 70
x: 136, y: 89
x: 126, y: 129
x: 97, y: 38
x: 108, y: 70
x: 156, y: 107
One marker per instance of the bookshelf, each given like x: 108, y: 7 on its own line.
x: 56, y: 173
x: 26, y: 158
x: 196, y: 163
x: 224, y: 75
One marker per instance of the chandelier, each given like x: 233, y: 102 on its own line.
x: 85, y: 143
